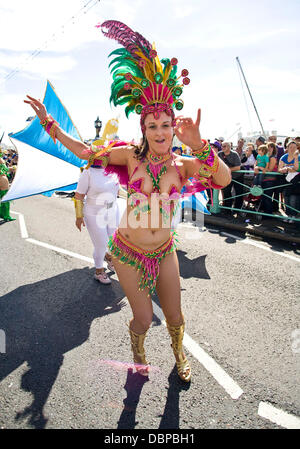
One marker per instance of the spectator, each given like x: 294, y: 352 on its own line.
x: 287, y: 166
x: 233, y: 161
x: 240, y: 147
x: 12, y: 173
x: 216, y: 146
x: 273, y: 139
x: 297, y: 140
x: 177, y: 150
x: 286, y: 140
x: 261, y: 165
x: 280, y: 149
x: 270, y: 180
x: 296, y: 163
x: 248, y: 160
x: 4, y: 186
x: 249, y: 157
x: 260, y: 141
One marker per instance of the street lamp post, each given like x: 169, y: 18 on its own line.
x: 98, y: 126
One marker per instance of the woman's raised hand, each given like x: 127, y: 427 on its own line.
x: 188, y: 131
x: 38, y: 107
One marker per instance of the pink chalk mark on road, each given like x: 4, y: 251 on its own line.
x: 116, y: 364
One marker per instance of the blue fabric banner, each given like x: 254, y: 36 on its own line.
x: 35, y: 136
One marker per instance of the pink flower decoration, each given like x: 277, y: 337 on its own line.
x: 184, y: 72
x: 128, y: 76
x: 186, y: 81
x: 174, y: 61
x: 152, y: 53
x: 127, y: 86
x: 142, y: 63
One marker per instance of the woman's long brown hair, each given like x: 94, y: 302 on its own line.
x: 142, y: 149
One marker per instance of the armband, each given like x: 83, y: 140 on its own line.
x: 78, y: 207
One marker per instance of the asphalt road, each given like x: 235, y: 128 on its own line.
x: 65, y: 359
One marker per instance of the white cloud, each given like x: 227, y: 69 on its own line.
x: 33, y: 25
x: 220, y: 40
x: 41, y: 67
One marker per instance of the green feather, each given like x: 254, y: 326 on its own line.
x: 123, y: 100
x: 173, y: 72
x: 126, y: 66
x: 120, y: 51
x: 118, y: 59
x: 165, y: 62
x: 129, y: 109
x: 116, y: 87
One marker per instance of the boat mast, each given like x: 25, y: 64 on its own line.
x: 238, y: 61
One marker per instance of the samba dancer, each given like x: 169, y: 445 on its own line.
x: 145, y: 257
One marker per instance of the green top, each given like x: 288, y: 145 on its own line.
x: 3, y: 169
x: 262, y: 161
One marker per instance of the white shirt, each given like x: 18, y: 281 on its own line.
x: 99, y: 188
x: 250, y: 161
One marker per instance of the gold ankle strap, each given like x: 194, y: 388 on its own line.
x: 137, y: 346
x: 176, y: 333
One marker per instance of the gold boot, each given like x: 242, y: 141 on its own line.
x: 183, y: 366
x: 137, y: 346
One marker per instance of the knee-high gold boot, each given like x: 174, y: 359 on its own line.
x: 183, y: 366
x: 137, y: 346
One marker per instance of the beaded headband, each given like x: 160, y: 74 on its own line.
x: 141, y: 81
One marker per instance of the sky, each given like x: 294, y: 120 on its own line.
x: 60, y: 43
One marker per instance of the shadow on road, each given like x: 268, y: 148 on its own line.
x: 192, y: 268
x: 134, y: 385
x: 44, y: 320
x: 170, y: 417
x: 277, y: 245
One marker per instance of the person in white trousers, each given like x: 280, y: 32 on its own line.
x: 99, y: 213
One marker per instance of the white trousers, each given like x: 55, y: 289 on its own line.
x: 101, y: 223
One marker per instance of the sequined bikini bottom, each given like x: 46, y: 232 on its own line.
x: 141, y: 259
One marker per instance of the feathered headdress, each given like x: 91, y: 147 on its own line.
x: 141, y: 81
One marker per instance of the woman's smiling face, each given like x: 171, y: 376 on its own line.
x: 159, y: 132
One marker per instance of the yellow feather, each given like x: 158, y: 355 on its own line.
x: 157, y: 61
x: 167, y: 72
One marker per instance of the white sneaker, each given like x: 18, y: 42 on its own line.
x: 102, y: 277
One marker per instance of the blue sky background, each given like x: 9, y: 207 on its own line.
x: 206, y: 37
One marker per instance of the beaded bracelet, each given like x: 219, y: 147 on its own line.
x: 203, y: 153
x: 50, y: 126
x: 209, y: 160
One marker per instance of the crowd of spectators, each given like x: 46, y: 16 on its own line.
x: 271, y: 165
x: 266, y: 164
x: 10, y: 158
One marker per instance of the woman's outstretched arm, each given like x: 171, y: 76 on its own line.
x: 117, y: 155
